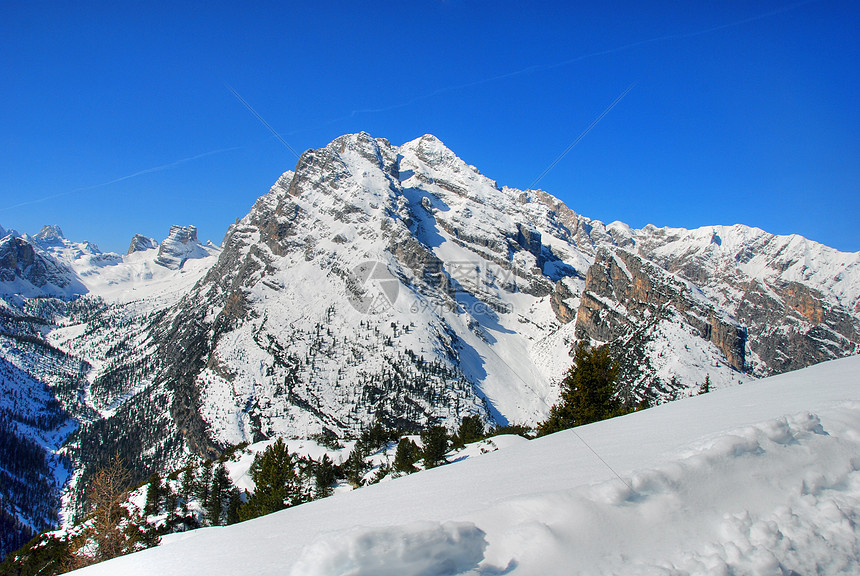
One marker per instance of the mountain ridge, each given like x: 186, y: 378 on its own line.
x: 398, y: 284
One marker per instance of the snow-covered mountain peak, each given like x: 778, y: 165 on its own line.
x: 51, y: 240
x: 141, y: 243
x: 26, y: 270
x: 437, y: 161
x: 49, y: 234
x: 398, y: 283
x: 48, y: 264
x: 180, y: 245
x: 430, y: 150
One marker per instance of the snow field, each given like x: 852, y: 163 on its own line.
x: 756, y: 479
x: 781, y: 497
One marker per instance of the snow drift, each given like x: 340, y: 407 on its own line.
x: 422, y: 549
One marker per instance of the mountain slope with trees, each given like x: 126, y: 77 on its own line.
x: 382, y: 282
x: 727, y: 476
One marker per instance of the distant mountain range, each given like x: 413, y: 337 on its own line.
x: 377, y: 282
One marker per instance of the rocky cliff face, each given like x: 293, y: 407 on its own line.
x: 141, y: 243
x: 180, y: 245
x: 627, y: 300
x: 26, y: 270
x: 639, y: 294
x: 797, y: 299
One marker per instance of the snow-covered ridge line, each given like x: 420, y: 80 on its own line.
x: 789, y: 258
x: 76, y: 268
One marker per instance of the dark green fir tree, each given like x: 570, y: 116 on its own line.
x: 589, y: 391
x: 276, y: 484
x: 324, y: 476
x: 435, y: 441
x: 471, y: 430
x: 406, y: 456
x: 154, y: 495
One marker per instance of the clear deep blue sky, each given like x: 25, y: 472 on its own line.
x: 117, y: 118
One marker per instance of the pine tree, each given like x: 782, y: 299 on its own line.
x: 706, y: 386
x: 471, y: 430
x: 218, y: 492
x: 170, y: 503
x: 589, y: 392
x: 203, y: 483
x: 381, y: 472
x: 234, y: 504
x: 356, y: 465
x: 154, y: 495
x: 406, y: 456
x: 435, y: 441
x: 374, y: 438
x: 324, y: 476
x: 187, y: 488
x: 277, y: 485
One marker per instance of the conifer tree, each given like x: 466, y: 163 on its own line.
x: 435, y: 441
x: 356, y: 465
x: 218, y: 492
x: 277, y: 485
x: 471, y: 430
x: 381, y: 472
x: 406, y: 456
x: 187, y: 488
x: 171, y: 500
x: 588, y: 391
x: 706, y: 386
x: 374, y: 438
x: 203, y: 483
x: 324, y: 476
x: 234, y: 504
x: 154, y: 495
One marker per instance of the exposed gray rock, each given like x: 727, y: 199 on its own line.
x: 180, y: 245
x: 50, y: 234
x: 141, y: 243
x: 561, y: 302
x: 792, y: 295
x: 624, y: 300
x: 20, y: 261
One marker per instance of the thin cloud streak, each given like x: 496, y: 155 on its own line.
x: 549, y: 66
x: 262, y: 120
x: 580, y: 137
x: 120, y: 179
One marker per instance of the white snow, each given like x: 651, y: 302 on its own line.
x: 762, y: 478
x: 421, y: 548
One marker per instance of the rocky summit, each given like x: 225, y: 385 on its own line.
x: 390, y: 283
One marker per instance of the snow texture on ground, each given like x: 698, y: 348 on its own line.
x: 425, y: 549
x: 762, y: 478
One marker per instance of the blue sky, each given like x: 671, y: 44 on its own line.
x: 118, y: 118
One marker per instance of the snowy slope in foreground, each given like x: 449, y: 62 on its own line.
x: 757, y: 479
